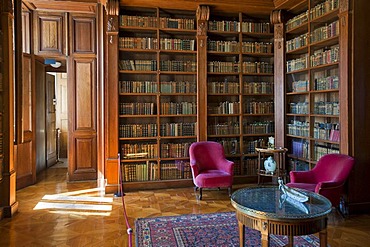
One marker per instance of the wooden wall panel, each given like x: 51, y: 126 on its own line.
x: 84, y: 36
x: 24, y: 152
x: 82, y: 154
x: 84, y: 97
x: 49, y: 30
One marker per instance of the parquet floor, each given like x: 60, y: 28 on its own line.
x: 56, y: 213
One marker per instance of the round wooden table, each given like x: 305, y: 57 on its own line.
x: 267, y: 210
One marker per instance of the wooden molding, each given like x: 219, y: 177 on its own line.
x: 112, y: 7
x: 343, y: 6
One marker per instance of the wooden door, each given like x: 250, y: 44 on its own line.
x: 62, y: 113
x: 82, y: 95
x: 51, y: 149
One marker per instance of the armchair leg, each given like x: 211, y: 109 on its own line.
x: 200, y: 192
x: 229, y: 189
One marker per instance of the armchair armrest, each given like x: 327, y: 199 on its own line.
x: 227, y: 166
x: 302, y: 177
x: 327, y: 185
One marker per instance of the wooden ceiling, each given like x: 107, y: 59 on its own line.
x: 249, y: 7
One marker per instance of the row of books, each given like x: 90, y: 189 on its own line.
x: 264, y: 127
x: 227, y: 128
x: 175, y: 150
x: 223, y: 108
x: 136, y: 172
x: 151, y: 43
x: 322, y: 83
x: 257, y: 67
x: 152, y: 22
x: 177, y: 44
x: 138, y: 43
x: 223, y: 87
x: 176, y: 108
x: 326, y: 131
x: 300, y: 149
x: 250, y: 146
x: 326, y: 108
x: 224, y: 26
x: 177, y: 23
x: 300, y: 86
x: 178, y: 87
x: 138, y: 65
x: 325, y: 83
x: 321, y: 56
x: 298, y: 128
x: 297, y: 21
x: 139, y: 150
x: 315, y: 12
x: 325, y: 32
x: 178, y: 65
x: 258, y: 87
x: 297, y: 64
x: 223, y: 46
x: 177, y: 170
x: 137, y: 87
x: 138, y: 21
x: 136, y: 108
x: 152, y: 87
x: 137, y: 130
x: 178, y: 129
x: 323, y: 8
x: 151, y: 65
x: 321, y: 150
x: 223, y: 67
x: 250, y: 166
x: 299, y: 108
x: 257, y: 107
x: 297, y: 42
x: 231, y: 145
x: 297, y: 165
x: 234, y: 46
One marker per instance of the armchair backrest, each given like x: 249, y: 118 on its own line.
x: 206, y: 154
x: 333, y: 167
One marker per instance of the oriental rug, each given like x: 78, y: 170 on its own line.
x: 211, y: 230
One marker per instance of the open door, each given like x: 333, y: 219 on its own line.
x: 51, y: 144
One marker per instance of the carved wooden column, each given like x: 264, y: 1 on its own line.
x: 344, y: 74
x: 277, y: 19
x: 202, y: 27
x: 8, y: 203
x: 111, y: 52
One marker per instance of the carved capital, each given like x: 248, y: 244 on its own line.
x: 112, y: 7
x: 203, y: 13
x: 277, y: 16
x: 343, y: 6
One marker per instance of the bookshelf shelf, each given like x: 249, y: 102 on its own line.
x: 327, y: 17
x: 299, y: 29
x: 298, y: 51
x: 326, y: 42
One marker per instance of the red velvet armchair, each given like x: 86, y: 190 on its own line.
x: 209, y: 167
x: 327, y: 178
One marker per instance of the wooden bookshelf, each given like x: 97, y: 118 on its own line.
x: 312, y: 84
x: 165, y: 56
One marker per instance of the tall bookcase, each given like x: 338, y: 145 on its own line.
x: 157, y: 93
x: 313, y: 84
x: 240, y: 87
x: 187, y: 76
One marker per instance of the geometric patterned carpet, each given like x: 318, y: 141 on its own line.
x: 216, y: 229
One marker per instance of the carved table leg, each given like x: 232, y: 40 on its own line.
x: 323, y: 238
x: 265, y: 240
x: 241, y: 234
